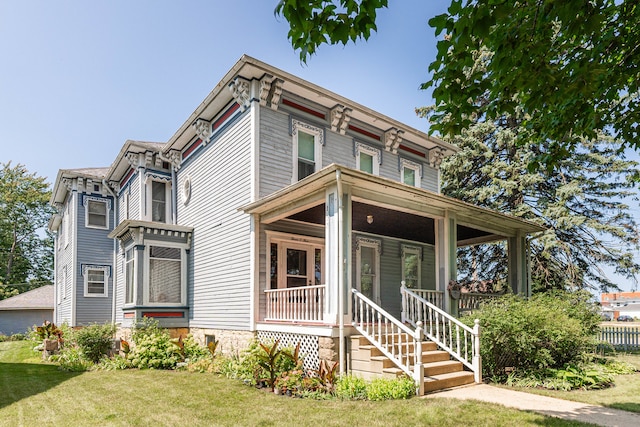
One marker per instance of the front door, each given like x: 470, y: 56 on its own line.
x: 367, y: 268
x: 300, y: 265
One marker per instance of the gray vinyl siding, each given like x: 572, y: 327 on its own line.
x: 219, y: 281
x: 276, y: 151
x: 390, y: 272
x: 134, y: 196
x: 65, y: 261
x: 95, y: 248
x: 276, y: 154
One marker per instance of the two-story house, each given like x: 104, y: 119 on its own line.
x: 278, y: 209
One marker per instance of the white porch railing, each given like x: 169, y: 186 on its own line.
x: 302, y: 304
x: 453, y: 336
x: 470, y: 301
x: 434, y: 297
x: 395, y: 340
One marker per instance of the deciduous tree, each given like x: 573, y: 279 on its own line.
x: 26, y: 259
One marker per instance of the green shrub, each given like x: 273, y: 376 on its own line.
x: 114, y: 363
x: 95, y: 340
x: 153, y: 349
x: 387, y: 389
x: 71, y: 359
x: 548, y: 331
x: 351, y: 387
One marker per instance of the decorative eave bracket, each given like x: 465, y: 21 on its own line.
x: 436, y: 155
x: 340, y: 118
x: 203, y: 129
x: 392, y: 140
x: 241, y: 92
x: 270, y: 91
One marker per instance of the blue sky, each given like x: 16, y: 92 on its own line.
x: 79, y: 78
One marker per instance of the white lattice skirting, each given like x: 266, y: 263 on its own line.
x: 309, y: 346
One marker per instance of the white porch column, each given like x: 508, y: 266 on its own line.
x: 518, y: 269
x: 446, y: 258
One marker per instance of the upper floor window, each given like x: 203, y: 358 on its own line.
x: 411, y: 263
x: 367, y: 158
x: 410, y: 172
x: 95, y: 280
x: 97, y: 213
x: 158, y: 199
x: 307, y: 149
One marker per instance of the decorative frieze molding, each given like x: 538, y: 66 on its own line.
x: 340, y: 118
x: 241, y: 92
x: 436, y: 155
x: 374, y: 152
x: 86, y: 199
x: 408, y: 249
x: 148, y: 159
x: 157, y: 177
x: 105, y: 268
x: 270, y: 91
x: 410, y: 164
x: 203, y: 129
x: 392, y: 140
x: 297, y: 124
x: 366, y: 241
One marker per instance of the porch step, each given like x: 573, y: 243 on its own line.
x: 440, y: 371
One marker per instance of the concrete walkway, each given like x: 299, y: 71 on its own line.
x: 559, y: 408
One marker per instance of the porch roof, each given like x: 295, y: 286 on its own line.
x: 383, y: 192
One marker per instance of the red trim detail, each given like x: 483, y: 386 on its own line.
x: 412, y: 151
x: 163, y: 314
x: 129, y: 315
x: 303, y: 108
x: 191, y: 148
x: 226, y: 115
x: 126, y: 178
x: 364, y: 132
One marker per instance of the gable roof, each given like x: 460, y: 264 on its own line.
x: 36, y: 299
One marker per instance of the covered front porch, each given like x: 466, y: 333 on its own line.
x: 341, y: 229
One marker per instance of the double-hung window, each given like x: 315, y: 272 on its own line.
x: 367, y: 158
x: 307, y: 149
x: 410, y: 172
x: 130, y: 279
x: 97, y: 214
x: 158, y: 201
x: 166, y: 279
x: 96, y: 280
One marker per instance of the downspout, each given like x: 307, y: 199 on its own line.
x: 342, y: 349
x: 115, y: 250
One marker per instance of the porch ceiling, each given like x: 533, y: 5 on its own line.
x: 475, y: 224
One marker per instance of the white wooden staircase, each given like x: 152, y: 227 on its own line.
x: 435, y: 354
x: 440, y: 372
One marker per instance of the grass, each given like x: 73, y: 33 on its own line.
x: 625, y: 395
x: 35, y: 394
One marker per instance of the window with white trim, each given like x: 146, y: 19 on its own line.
x: 367, y: 267
x: 67, y: 225
x: 96, y: 213
x: 307, y: 149
x: 96, y: 280
x: 158, y: 197
x: 130, y: 279
x: 367, y: 158
x: 165, y: 282
x: 411, y: 266
x: 64, y: 282
x: 410, y: 172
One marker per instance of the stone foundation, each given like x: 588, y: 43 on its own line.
x: 328, y: 349
x: 229, y: 342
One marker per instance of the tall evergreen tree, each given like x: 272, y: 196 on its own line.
x: 26, y: 249
x: 582, y: 204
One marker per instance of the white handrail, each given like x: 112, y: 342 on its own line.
x: 470, y: 301
x: 434, y: 297
x: 305, y: 303
x: 453, y: 336
x: 401, y: 344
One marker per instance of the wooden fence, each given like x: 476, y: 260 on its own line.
x: 625, y: 338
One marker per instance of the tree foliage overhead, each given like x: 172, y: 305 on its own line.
x: 570, y: 67
x: 317, y: 22
x: 588, y: 224
x: 26, y: 259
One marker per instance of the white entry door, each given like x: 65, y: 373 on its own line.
x: 301, y: 265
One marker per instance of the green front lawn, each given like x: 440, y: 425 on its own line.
x: 36, y: 394
x: 625, y: 395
